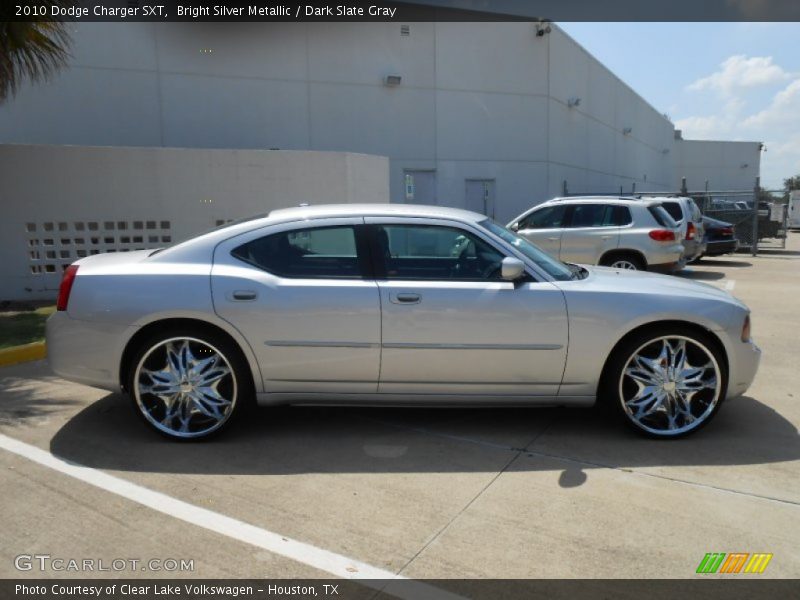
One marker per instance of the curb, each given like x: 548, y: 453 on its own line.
x: 23, y: 353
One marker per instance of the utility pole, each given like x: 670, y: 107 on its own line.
x: 754, y: 246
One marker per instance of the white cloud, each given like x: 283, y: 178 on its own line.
x: 777, y: 125
x: 740, y: 72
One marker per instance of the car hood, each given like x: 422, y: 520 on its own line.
x: 642, y: 282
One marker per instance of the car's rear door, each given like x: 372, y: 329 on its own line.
x: 301, y: 294
x: 544, y: 227
x: 591, y: 232
x: 451, y: 325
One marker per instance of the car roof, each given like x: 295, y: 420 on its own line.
x: 626, y: 200
x: 321, y: 211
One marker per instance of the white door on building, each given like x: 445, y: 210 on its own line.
x: 420, y: 186
x: 480, y: 196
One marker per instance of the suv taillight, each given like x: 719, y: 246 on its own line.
x: 691, y: 230
x: 662, y: 235
x: 726, y: 231
x: 66, y: 287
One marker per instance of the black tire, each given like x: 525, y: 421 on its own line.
x: 613, y: 388
x: 634, y: 260
x: 237, y: 383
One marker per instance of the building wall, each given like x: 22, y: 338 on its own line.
x: 725, y: 165
x: 476, y: 101
x: 485, y: 101
x: 64, y: 202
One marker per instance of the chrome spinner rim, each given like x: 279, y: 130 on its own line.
x: 624, y: 264
x: 185, y: 387
x: 670, y: 385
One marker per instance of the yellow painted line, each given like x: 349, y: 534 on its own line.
x: 23, y: 353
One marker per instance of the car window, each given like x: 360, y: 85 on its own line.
x: 594, y: 215
x: 317, y: 252
x: 621, y: 216
x: 544, y: 218
x: 674, y: 210
x: 554, y: 267
x: 694, y: 210
x: 661, y: 216
x: 434, y: 252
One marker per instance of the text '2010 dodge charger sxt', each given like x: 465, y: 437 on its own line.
x: 392, y: 305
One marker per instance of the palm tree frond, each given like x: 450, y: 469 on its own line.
x: 32, y: 50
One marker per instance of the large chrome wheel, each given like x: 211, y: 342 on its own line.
x: 670, y: 385
x: 185, y: 387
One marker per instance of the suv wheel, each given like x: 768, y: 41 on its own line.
x: 629, y: 262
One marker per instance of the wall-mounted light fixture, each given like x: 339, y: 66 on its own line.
x: 573, y: 102
x: 627, y: 131
x: 542, y: 29
x: 392, y: 80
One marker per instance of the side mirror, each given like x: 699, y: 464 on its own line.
x: 514, y: 227
x: 512, y: 269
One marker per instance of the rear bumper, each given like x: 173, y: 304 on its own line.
x: 665, y: 259
x: 85, y: 352
x: 721, y: 247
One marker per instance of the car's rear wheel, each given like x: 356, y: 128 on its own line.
x: 666, y: 385
x: 629, y: 262
x: 188, y: 385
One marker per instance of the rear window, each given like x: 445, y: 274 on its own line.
x: 661, y: 216
x: 674, y: 210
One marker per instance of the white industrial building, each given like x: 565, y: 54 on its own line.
x: 490, y: 116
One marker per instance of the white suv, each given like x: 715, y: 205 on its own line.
x: 625, y: 233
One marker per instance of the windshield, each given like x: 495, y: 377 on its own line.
x: 555, y: 268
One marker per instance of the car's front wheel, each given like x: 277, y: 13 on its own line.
x: 666, y: 385
x: 188, y: 385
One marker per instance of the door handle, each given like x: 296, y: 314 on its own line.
x: 553, y: 239
x: 244, y: 295
x: 405, y: 298
x: 605, y: 237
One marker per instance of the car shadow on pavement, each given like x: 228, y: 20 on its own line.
x: 294, y: 440
x: 715, y: 262
x: 696, y: 275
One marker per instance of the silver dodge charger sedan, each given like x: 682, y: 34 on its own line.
x: 392, y: 305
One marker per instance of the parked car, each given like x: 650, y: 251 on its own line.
x: 624, y: 233
x: 685, y: 212
x: 367, y: 304
x: 720, y: 237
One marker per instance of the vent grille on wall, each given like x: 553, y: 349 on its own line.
x: 53, y: 245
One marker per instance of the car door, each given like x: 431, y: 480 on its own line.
x: 591, y: 232
x: 300, y: 294
x: 544, y: 227
x: 451, y: 325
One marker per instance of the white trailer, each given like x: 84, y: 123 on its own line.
x: 794, y: 209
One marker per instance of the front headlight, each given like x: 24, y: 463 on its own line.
x: 746, y: 329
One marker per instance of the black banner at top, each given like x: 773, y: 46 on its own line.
x: 405, y: 11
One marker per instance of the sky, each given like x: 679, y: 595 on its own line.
x: 716, y: 81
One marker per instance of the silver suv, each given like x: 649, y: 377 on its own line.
x: 687, y: 215
x: 625, y: 233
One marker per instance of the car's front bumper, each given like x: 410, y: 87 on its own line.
x: 743, y: 366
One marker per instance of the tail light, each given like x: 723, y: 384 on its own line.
x: 726, y: 231
x: 691, y: 231
x: 662, y: 235
x: 746, y: 329
x: 66, y: 287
